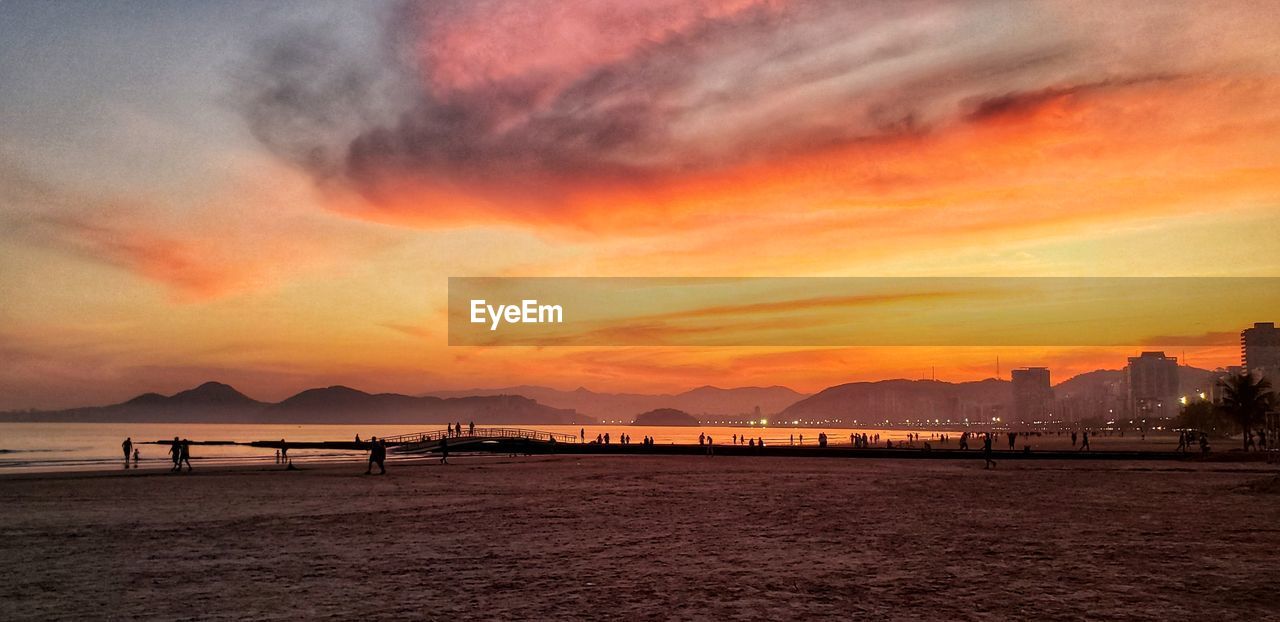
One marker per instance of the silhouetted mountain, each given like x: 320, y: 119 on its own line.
x: 212, y: 393
x: 343, y: 404
x: 665, y: 416
x: 703, y: 401
x: 214, y: 402
x: 1098, y: 381
x: 211, y: 402
x: 897, y: 401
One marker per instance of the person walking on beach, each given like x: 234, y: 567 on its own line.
x: 1073, y: 438
x: 582, y: 434
x: 185, y: 455
x: 1084, y: 442
x: 136, y: 454
x: 986, y: 452
x: 127, y: 446
x: 175, y: 452
x: 444, y: 451
x: 284, y: 452
x: 377, y: 455
x: 471, y: 429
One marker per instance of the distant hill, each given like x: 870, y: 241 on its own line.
x: 896, y: 401
x: 665, y: 416
x: 214, y: 402
x: 703, y: 401
x: 1096, y: 382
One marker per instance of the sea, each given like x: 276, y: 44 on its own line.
x: 34, y: 447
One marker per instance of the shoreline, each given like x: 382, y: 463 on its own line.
x: 474, y: 458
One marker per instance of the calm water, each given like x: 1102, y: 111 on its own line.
x: 92, y: 446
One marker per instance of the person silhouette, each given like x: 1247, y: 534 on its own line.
x: 377, y: 455
x: 1084, y: 442
x: 986, y: 452
x: 136, y: 453
x: 444, y: 451
x: 127, y: 446
x: 175, y: 451
x: 284, y: 452
x: 471, y: 429
x: 186, y: 455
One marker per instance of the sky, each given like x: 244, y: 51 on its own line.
x: 274, y: 195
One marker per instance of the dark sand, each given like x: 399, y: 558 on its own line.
x: 648, y: 537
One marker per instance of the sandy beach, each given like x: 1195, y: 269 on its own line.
x: 655, y: 537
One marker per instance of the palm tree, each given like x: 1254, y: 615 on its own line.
x: 1246, y: 398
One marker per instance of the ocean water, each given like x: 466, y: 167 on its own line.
x: 26, y: 447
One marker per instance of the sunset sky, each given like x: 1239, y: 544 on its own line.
x: 274, y: 195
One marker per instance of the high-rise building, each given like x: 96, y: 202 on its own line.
x: 1260, y: 349
x: 1152, y: 384
x: 1032, y: 395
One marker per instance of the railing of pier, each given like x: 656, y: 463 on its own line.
x: 523, y: 433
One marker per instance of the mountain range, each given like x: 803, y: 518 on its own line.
x: 214, y: 402
x: 855, y: 403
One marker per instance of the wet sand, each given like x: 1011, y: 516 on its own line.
x: 647, y: 537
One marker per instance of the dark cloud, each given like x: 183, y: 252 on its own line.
x: 720, y: 90
x: 1023, y: 102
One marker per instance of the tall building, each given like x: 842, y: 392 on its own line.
x: 1260, y: 349
x: 1032, y: 395
x: 1152, y: 384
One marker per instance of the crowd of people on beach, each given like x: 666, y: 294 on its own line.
x: 180, y: 449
